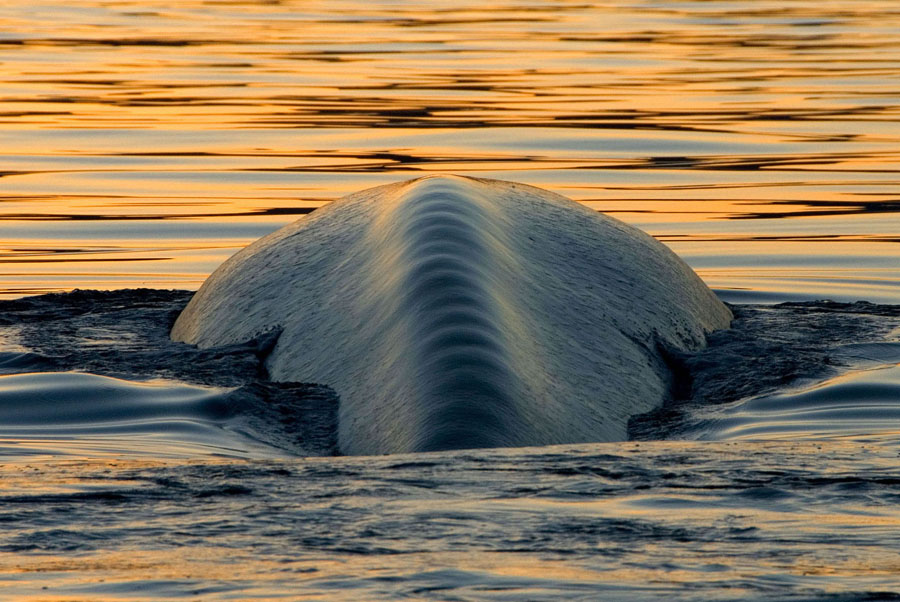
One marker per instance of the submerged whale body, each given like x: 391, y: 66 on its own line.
x: 451, y: 312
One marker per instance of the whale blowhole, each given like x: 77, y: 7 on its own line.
x: 453, y: 312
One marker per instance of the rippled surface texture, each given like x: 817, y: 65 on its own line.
x: 631, y: 522
x: 90, y: 512
x: 143, y: 143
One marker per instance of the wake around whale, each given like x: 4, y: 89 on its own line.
x: 452, y: 312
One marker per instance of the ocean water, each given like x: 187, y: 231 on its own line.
x: 143, y: 143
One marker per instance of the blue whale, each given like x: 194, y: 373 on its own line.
x: 450, y: 312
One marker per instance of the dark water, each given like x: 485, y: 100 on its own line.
x: 145, y: 142
x: 185, y: 473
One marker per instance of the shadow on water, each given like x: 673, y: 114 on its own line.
x: 814, y: 208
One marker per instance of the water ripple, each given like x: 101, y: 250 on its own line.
x: 673, y: 116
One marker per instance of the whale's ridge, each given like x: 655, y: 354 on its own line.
x: 455, y: 312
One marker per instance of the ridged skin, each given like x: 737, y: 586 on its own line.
x: 450, y: 312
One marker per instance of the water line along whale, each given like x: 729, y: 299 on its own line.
x: 451, y: 312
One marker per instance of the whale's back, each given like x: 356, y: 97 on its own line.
x: 450, y: 312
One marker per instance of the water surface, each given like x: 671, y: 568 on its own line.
x: 632, y: 521
x: 143, y: 143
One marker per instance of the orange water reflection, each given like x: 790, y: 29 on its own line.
x: 145, y: 142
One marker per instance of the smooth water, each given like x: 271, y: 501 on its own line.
x: 142, y: 143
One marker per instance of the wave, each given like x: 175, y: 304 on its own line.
x: 809, y: 370
x: 48, y: 412
x: 862, y: 403
x: 66, y: 413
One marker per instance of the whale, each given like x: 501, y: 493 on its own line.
x: 453, y: 312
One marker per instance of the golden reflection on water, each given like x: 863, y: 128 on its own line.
x: 750, y: 521
x: 144, y: 142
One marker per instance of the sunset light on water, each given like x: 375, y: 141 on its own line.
x: 142, y: 144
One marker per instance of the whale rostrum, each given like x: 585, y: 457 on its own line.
x: 451, y: 312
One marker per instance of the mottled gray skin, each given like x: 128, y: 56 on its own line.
x: 451, y: 312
